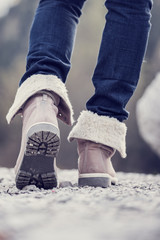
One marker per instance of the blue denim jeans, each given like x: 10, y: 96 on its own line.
x: 121, y: 52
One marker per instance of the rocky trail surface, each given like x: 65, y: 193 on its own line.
x: 129, y: 211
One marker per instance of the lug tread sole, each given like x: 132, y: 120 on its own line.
x: 37, y: 167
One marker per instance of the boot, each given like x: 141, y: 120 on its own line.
x: 94, y: 164
x: 98, y: 138
x: 36, y: 163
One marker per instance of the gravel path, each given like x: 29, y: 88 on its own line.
x: 129, y: 211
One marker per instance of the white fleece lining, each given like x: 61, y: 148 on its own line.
x: 100, y: 129
x: 36, y: 83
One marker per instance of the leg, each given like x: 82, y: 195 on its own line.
x: 52, y: 38
x: 121, y: 54
x: 42, y: 96
x: 115, y: 79
x: 48, y: 61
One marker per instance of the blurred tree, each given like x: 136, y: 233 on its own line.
x: 14, y: 29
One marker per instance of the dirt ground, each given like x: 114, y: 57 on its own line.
x: 128, y: 211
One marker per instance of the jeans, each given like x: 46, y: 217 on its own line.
x: 121, y: 52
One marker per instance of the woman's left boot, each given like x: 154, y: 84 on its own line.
x: 40, y: 143
x: 41, y: 99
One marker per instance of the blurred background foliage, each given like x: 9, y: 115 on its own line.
x: 14, y: 35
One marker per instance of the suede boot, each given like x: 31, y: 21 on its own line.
x: 98, y: 138
x: 40, y: 143
x: 94, y: 164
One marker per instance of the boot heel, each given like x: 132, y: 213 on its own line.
x: 43, y: 139
x: 39, y: 164
x: 103, y: 180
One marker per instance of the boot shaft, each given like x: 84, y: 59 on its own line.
x: 94, y: 157
x: 39, y: 108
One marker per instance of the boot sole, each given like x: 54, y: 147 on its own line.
x: 38, y: 165
x: 96, y: 180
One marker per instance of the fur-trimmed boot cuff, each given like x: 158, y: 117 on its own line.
x: 37, y: 83
x: 100, y: 129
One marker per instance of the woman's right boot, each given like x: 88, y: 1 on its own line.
x: 98, y: 137
x: 94, y: 164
